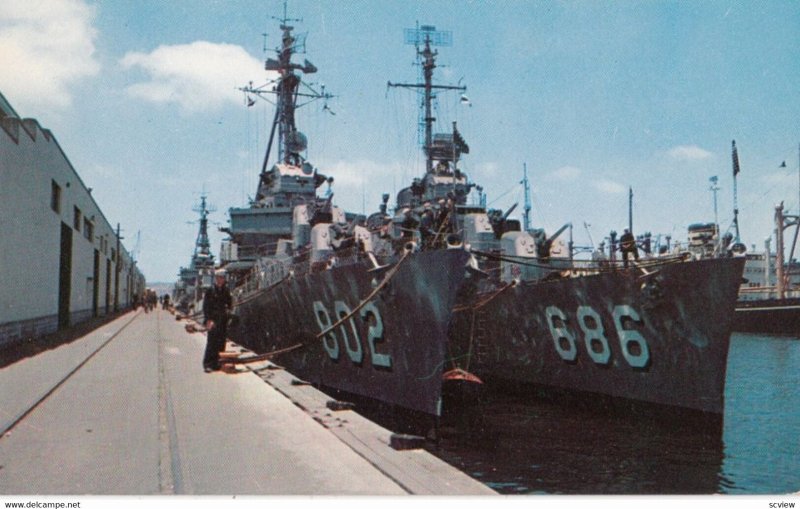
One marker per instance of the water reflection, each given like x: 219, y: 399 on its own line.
x: 520, y: 445
x: 762, y: 415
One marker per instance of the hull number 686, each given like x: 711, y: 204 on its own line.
x: 632, y: 344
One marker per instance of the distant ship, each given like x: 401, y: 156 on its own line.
x: 769, y: 295
x: 655, y: 333
x: 311, y: 290
x: 194, y: 280
x: 769, y: 300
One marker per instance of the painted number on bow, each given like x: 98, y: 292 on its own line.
x: 631, y: 342
x: 351, y: 331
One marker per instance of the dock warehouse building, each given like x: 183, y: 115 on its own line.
x: 60, y: 259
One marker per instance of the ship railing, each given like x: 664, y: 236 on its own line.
x: 580, y: 268
x: 268, y: 273
x: 712, y: 249
x: 255, y: 252
x: 302, y: 264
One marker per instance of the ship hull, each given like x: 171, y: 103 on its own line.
x: 769, y: 316
x: 661, y: 339
x: 392, y: 349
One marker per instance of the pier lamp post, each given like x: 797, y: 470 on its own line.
x: 714, y: 188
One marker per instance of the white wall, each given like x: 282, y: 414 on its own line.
x: 30, y: 231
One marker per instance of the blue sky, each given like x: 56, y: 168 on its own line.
x: 594, y: 96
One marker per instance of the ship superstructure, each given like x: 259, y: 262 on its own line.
x: 268, y: 223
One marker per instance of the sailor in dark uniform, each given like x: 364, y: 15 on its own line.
x: 216, y: 305
x: 627, y: 244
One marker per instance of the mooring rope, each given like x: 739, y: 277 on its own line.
x: 467, y: 307
x: 268, y: 355
x: 259, y: 357
x: 441, y: 229
x: 263, y: 290
x: 386, y: 279
x: 474, y: 308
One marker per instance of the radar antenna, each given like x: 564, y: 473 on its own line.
x: 427, y: 36
x: 287, y: 91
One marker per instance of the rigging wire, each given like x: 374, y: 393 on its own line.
x: 789, y: 172
x: 497, y: 198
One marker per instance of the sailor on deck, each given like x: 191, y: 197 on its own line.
x: 216, y: 305
x: 627, y: 244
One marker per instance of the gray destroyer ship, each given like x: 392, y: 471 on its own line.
x: 655, y: 333
x: 309, y: 289
x: 194, y: 280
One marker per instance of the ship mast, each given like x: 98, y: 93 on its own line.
x: 287, y: 91
x: 735, y: 157
x: 783, y: 222
x: 202, y: 246
x: 630, y: 209
x: 714, y: 188
x: 427, y: 36
x: 779, y: 226
x: 797, y: 230
x: 526, y: 217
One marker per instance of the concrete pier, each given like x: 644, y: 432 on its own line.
x: 128, y: 410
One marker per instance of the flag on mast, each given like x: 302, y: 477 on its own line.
x: 735, y: 159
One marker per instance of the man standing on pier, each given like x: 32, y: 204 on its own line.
x: 216, y: 305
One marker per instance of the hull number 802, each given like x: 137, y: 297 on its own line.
x: 351, y: 332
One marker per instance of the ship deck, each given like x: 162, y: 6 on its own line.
x: 127, y: 410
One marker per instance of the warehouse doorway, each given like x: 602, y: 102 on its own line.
x: 64, y: 276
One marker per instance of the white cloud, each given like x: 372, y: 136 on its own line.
x: 352, y: 175
x: 487, y: 170
x: 46, y: 47
x: 609, y: 186
x: 565, y: 173
x: 689, y: 153
x: 197, y: 76
x: 360, y: 183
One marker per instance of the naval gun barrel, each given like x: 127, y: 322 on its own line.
x: 509, y: 211
x: 558, y: 232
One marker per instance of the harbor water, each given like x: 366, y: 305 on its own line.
x: 527, y: 446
